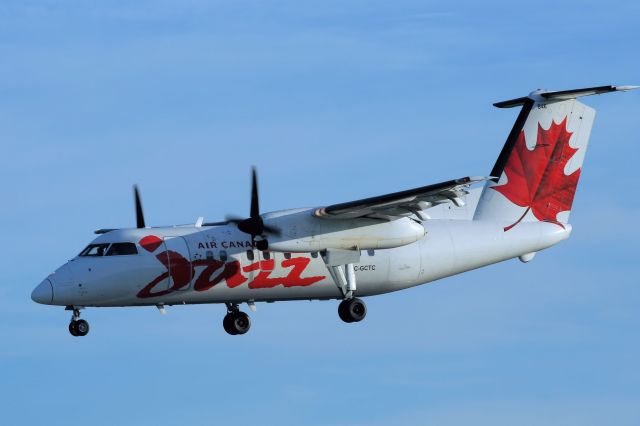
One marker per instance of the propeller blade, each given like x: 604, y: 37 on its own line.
x: 253, y: 225
x: 271, y: 230
x: 255, y: 203
x: 233, y: 219
x: 139, y: 213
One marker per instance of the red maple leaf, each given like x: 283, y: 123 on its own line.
x: 536, y: 179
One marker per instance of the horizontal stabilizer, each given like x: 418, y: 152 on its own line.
x: 543, y: 95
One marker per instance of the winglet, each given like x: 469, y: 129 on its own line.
x: 544, y: 95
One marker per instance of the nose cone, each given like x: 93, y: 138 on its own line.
x: 43, y: 293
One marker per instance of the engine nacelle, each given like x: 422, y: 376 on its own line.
x: 304, y: 232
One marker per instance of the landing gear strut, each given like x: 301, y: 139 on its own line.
x: 352, y: 310
x: 78, y: 327
x: 341, y: 266
x: 236, y: 321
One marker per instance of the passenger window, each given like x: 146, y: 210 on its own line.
x: 250, y: 254
x: 94, y: 250
x: 223, y: 255
x: 122, y: 249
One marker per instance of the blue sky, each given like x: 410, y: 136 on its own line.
x: 332, y: 100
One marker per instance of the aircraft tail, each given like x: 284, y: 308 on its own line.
x: 536, y: 174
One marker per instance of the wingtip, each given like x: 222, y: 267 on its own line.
x: 626, y: 88
x: 479, y: 178
x: 470, y: 180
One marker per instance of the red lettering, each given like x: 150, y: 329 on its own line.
x: 262, y: 280
x: 234, y: 276
x: 230, y: 273
x: 294, y: 279
x: 146, y: 291
x: 179, y: 268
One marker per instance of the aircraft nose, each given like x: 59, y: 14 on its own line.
x: 43, y: 293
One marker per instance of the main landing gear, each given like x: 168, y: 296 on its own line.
x: 341, y: 267
x: 236, y: 321
x: 77, y: 327
x: 352, y: 310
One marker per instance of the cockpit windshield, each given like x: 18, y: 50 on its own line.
x: 94, y: 250
x: 119, y: 249
x: 109, y: 249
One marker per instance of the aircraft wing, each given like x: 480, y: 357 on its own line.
x: 402, y: 204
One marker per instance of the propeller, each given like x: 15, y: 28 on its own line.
x: 139, y: 213
x: 254, y: 225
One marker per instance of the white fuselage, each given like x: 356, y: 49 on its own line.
x: 216, y: 264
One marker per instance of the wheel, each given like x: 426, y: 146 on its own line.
x: 80, y: 327
x: 226, y: 323
x: 241, y: 323
x: 72, y: 329
x: 352, y: 310
x: 236, y: 323
x: 357, y: 309
x: 342, y: 312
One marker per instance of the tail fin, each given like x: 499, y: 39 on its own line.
x: 536, y: 174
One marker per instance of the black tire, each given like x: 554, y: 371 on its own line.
x: 357, y: 309
x: 241, y: 323
x: 342, y: 312
x: 227, y: 324
x: 81, y: 327
x: 72, y: 329
x: 352, y: 310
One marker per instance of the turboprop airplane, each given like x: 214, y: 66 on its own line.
x: 350, y: 250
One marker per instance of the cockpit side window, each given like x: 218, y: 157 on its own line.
x: 94, y: 250
x: 120, y: 249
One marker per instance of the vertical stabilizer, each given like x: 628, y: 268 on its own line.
x: 537, y: 172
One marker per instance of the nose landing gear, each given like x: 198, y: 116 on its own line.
x: 236, y: 322
x: 77, y: 327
